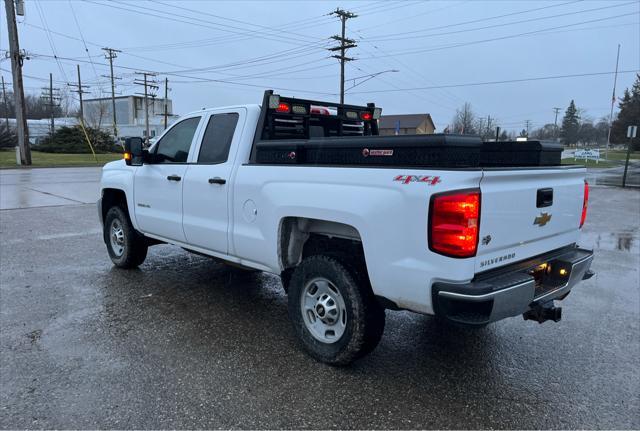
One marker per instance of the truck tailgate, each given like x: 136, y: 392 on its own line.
x: 526, y: 212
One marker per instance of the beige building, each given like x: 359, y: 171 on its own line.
x: 406, y: 124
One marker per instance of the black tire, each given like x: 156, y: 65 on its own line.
x: 365, y: 318
x: 134, y: 245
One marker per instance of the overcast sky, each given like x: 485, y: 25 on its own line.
x: 218, y: 53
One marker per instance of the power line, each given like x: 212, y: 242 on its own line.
x: 84, y: 42
x: 381, y: 38
x: 51, y: 42
x: 267, y: 28
x: 473, y: 21
x: 475, y: 42
x: 174, y: 17
x: 508, y: 81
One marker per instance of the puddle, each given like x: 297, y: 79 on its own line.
x: 626, y: 241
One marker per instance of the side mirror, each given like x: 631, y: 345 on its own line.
x: 133, y: 151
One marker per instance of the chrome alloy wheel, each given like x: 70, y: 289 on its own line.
x: 116, y: 236
x: 323, y: 310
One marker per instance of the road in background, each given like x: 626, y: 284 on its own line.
x: 185, y: 342
x: 27, y: 188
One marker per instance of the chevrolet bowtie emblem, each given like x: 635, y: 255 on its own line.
x: 542, y: 219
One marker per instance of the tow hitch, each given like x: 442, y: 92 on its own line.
x: 543, y: 312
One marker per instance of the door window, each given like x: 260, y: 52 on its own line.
x: 174, y: 146
x: 217, y: 138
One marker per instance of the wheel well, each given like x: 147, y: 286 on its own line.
x: 111, y: 198
x: 301, y: 237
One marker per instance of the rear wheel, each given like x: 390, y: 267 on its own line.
x: 336, y: 317
x: 126, y: 247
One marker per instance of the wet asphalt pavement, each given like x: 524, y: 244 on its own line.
x: 184, y: 342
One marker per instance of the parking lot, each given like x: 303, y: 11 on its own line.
x: 184, y: 342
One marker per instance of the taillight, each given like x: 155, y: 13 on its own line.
x: 454, y: 223
x: 366, y: 116
x: 585, y: 203
x: 283, y: 107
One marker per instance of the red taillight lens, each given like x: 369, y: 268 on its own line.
x: 366, y: 116
x: 585, y: 203
x: 454, y: 222
x: 283, y: 107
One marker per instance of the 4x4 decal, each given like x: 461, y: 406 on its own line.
x: 406, y: 179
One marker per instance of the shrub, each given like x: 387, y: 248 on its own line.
x: 8, y: 138
x: 73, y: 140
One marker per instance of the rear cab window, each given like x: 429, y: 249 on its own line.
x: 217, y: 138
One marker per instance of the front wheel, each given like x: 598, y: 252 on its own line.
x: 334, y: 314
x: 126, y: 247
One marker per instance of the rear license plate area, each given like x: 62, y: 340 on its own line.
x: 550, y: 276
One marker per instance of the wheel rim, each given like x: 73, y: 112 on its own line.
x: 323, y: 310
x: 116, y: 237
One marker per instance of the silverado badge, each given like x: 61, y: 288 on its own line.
x: 542, y: 219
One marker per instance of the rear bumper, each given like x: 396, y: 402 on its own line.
x: 514, y: 289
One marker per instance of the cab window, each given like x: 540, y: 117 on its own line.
x: 217, y: 138
x: 174, y: 146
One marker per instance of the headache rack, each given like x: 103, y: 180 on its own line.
x: 292, y: 118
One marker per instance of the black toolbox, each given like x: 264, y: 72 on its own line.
x: 437, y: 150
x: 520, y: 154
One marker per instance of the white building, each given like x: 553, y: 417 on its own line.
x: 39, y: 129
x: 130, y: 115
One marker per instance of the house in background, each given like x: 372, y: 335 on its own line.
x: 130, y: 115
x: 406, y: 124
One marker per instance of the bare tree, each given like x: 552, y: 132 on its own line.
x: 464, y: 121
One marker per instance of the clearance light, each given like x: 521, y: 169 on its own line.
x: 454, y: 223
x: 283, y: 108
x: 299, y: 109
x: 585, y: 203
x: 127, y: 156
x: 563, y: 272
x: 366, y: 115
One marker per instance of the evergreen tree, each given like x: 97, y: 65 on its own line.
x: 570, y: 125
x: 629, y: 114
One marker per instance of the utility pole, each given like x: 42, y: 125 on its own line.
x: 613, y: 102
x: 166, y: 97
x: 18, y: 88
x: 150, y: 88
x: 110, y: 54
x: 6, y: 104
x: 344, y: 45
x: 555, y: 122
x: 80, y: 90
x: 527, y: 124
x: 51, y: 96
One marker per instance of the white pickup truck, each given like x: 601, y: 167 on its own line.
x: 351, y: 237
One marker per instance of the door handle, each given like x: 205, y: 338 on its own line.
x: 174, y: 178
x: 217, y: 180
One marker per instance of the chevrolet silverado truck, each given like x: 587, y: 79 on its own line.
x: 355, y: 223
